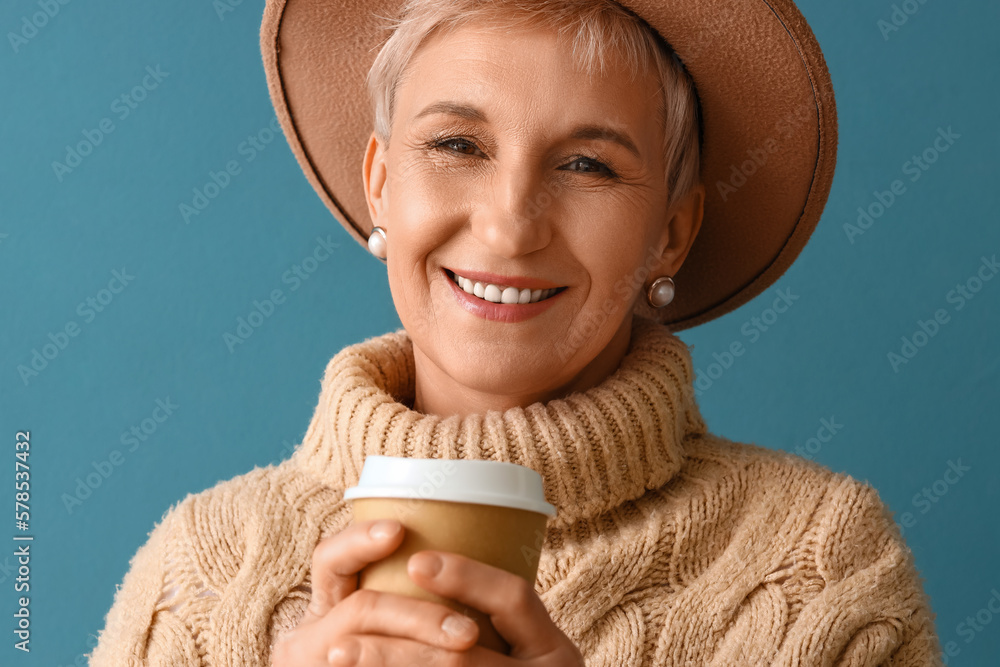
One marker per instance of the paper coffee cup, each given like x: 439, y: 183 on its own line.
x: 490, y: 511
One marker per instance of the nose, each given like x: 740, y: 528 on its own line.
x: 514, y: 218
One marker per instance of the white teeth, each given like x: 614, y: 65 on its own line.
x: 499, y: 294
x: 510, y: 295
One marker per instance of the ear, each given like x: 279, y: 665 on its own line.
x: 680, y: 230
x: 374, y: 174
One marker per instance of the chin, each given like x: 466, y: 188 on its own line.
x: 493, y: 369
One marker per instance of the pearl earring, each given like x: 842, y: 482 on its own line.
x: 661, y: 292
x: 377, y: 243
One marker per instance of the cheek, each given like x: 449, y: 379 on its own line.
x: 611, y: 258
x: 426, y: 209
x: 429, y: 182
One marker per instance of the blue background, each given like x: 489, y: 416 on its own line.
x: 160, y: 338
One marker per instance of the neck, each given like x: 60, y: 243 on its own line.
x: 594, y: 449
x: 438, y: 393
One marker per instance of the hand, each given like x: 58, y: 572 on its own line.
x: 388, y: 629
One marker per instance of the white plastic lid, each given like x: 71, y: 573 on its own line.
x: 456, y: 480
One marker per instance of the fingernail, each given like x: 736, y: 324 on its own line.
x: 384, y: 529
x: 343, y: 655
x: 426, y: 564
x: 457, y: 626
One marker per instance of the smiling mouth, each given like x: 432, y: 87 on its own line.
x: 501, y: 293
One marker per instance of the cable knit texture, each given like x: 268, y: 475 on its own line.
x: 671, y: 546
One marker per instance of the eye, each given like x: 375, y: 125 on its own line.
x: 453, y: 141
x: 597, y: 167
x: 450, y: 144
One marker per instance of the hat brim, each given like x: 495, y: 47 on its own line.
x: 768, y: 113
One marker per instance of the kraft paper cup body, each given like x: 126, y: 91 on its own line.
x: 503, y: 526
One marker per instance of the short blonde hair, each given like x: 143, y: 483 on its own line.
x: 598, y: 27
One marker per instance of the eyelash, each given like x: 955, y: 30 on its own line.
x: 440, y: 144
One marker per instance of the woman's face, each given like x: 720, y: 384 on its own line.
x: 489, y: 176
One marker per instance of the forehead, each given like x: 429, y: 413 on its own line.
x: 524, y: 79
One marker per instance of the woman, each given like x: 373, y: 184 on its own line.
x: 538, y: 174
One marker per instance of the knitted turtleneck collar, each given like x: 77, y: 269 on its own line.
x: 594, y: 449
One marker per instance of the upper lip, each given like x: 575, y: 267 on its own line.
x: 520, y: 282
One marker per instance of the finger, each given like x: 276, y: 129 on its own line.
x: 297, y: 648
x: 337, y: 560
x: 514, y: 608
x: 367, y: 612
x: 374, y: 651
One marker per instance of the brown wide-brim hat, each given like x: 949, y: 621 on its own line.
x: 768, y: 115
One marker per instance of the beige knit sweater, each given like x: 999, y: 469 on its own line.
x: 672, y: 546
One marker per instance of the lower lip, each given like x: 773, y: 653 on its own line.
x: 499, y: 312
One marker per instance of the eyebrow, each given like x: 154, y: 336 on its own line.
x: 582, y: 132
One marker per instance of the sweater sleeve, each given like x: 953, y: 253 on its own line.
x: 140, y: 628
x: 873, y: 610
